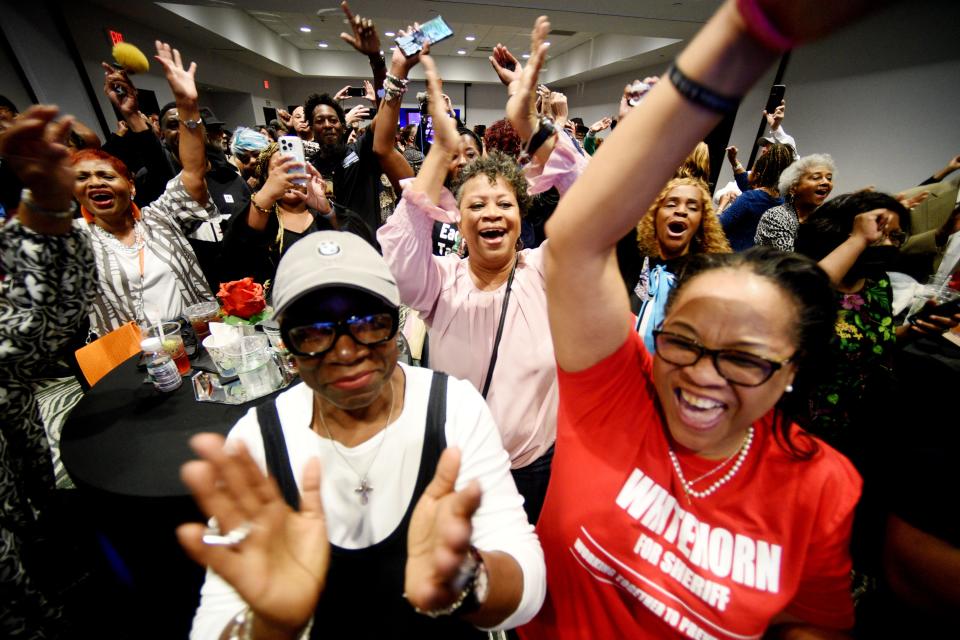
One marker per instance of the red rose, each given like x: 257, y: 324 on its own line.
x: 242, y: 298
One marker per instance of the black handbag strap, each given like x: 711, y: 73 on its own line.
x: 503, y: 318
x: 275, y: 448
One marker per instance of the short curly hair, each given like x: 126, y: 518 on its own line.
x: 709, y: 236
x: 791, y: 175
x: 314, y: 100
x: 496, y: 165
x: 502, y: 137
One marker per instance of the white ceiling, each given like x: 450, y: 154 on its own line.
x: 591, y: 38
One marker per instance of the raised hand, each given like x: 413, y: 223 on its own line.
x: 357, y: 114
x: 444, y: 127
x: 316, y: 196
x: 521, y: 107
x: 369, y: 93
x: 34, y: 147
x: 285, y: 118
x: 182, y: 80
x: 559, y: 108
x: 775, y: 119
x: 341, y: 95
x: 280, y: 568
x: 505, y: 64
x: 600, y: 125
x: 870, y: 225
x: 732, y: 154
x: 120, y: 91
x: 279, y: 181
x: 438, y: 538
x: 400, y: 64
x: 364, y: 37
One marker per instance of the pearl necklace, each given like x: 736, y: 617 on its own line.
x: 117, y: 245
x: 688, y: 486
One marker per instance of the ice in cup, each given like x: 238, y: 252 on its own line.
x: 254, y: 363
x: 200, y: 316
x: 169, y: 335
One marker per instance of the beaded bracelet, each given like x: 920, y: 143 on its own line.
x: 394, y: 87
x: 760, y: 27
x: 253, y: 201
x: 701, y: 95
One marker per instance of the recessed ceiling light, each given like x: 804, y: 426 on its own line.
x: 323, y: 44
x: 525, y: 56
x: 470, y: 38
x: 461, y: 52
x: 547, y: 43
x: 393, y: 48
x: 306, y: 29
x: 389, y: 34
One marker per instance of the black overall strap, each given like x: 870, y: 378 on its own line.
x: 503, y: 319
x: 275, y: 448
x: 437, y: 414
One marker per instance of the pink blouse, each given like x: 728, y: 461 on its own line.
x: 462, y: 319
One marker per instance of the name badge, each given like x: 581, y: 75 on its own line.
x: 351, y: 158
x: 228, y: 198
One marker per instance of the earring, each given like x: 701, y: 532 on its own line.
x: 788, y: 388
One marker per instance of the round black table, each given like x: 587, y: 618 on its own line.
x: 123, y: 446
x: 128, y: 439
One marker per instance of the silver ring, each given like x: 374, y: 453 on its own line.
x: 232, y: 538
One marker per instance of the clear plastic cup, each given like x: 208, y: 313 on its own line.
x: 200, y: 316
x: 221, y: 360
x: 253, y: 361
x: 172, y: 343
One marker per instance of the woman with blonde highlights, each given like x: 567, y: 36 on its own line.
x: 679, y: 223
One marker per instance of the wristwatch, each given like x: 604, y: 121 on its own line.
x: 544, y: 131
x: 191, y: 124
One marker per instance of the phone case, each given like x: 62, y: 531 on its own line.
x: 293, y: 146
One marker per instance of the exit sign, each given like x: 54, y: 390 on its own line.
x: 266, y: 84
x: 115, y: 36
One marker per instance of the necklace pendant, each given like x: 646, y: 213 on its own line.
x: 363, y: 490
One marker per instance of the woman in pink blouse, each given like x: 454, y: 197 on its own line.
x: 487, y: 314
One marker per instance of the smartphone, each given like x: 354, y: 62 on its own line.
x: 356, y: 92
x: 776, y: 97
x: 372, y: 113
x: 293, y: 146
x: 944, y: 310
x: 431, y: 31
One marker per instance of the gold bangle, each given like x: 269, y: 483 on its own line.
x: 253, y: 201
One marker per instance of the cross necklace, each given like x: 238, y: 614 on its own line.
x: 364, y: 488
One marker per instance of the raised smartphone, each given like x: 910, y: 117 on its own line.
x: 293, y: 146
x: 431, y: 31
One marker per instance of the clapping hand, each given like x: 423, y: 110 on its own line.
x: 501, y: 61
x: 34, y: 146
x: 600, y: 125
x: 280, y: 567
x: 445, y: 134
x: 438, y: 538
x: 521, y: 107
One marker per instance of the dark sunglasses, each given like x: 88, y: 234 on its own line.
x: 316, y: 339
x: 736, y: 367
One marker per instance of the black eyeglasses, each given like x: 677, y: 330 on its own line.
x: 316, y: 339
x: 736, y: 367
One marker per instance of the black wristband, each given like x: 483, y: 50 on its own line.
x: 700, y: 95
x: 541, y: 135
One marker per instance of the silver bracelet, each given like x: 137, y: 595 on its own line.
x: 242, y: 628
x: 26, y: 197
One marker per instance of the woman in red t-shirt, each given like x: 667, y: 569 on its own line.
x: 682, y: 503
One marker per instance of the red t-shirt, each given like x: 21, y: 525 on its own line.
x: 629, y: 556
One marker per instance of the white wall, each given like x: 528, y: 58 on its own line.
x: 10, y: 84
x: 880, y: 97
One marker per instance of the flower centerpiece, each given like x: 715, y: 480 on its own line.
x: 243, y: 302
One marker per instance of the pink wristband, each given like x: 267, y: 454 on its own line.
x: 760, y: 27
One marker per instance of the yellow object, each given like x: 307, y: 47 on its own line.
x: 130, y: 58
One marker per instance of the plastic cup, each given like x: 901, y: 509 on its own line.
x: 221, y: 360
x: 933, y: 295
x: 172, y: 341
x: 253, y: 361
x: 200, y: 316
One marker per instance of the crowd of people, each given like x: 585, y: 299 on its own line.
x: 646, y: 407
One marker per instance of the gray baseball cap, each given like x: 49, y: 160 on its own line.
x: 332, y: 259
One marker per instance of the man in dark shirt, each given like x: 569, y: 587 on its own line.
x: 352, y: 170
